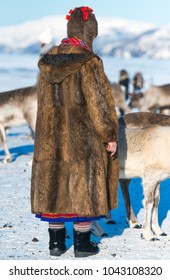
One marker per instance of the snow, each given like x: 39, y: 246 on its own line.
x: 117, y: 37
x: 22, y: 236
x: 24, y: 239
x: 19, y: 36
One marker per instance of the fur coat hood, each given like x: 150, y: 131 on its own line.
x: 72, y: 171
x: 66, y: 63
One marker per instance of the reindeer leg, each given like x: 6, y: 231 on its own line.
x: 149, y: 186
x: 131, y: 218
x: 8, y: 156
x: 108, y: 220
x: 30, y: 117
x: 154, y: 222
x: 97, y: 230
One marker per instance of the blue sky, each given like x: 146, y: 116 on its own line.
x: 18, y: 11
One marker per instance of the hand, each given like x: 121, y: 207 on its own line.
x: 111, y: 147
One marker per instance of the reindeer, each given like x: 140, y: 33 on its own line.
x: 17, y: 107
x: 155, y: 98
x: 138, y: 120
x: 137, y: 82
x: 143, y: 153
x: 118, y: 92
x: 143, y: 149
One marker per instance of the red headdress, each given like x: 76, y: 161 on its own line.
x: 82, y: 24
x: 84, y: 11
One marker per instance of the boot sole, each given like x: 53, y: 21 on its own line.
x: 84, y: 254
x: 55, y: 253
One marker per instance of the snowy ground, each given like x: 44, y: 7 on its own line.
x: 23, y: 237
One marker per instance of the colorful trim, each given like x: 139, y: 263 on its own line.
x: 75, y: 42
x: 82, y: 227
x: 62, y: 218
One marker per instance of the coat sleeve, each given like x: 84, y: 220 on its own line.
x: 99, y: 99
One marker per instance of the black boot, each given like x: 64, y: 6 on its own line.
x: 83, y: 247
x: 57, y: 245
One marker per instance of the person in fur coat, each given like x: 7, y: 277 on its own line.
x: 75, y: 167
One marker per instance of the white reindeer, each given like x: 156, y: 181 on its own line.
x: 17, y: 107
x: 144, y: 142
x: 143, y: 153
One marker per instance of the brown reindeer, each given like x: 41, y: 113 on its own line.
x: 155, y: 98
x: 118, y: 92
x: 137, y: 82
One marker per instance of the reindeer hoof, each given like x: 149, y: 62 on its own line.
x: 142, y: 237
x: 104, y: 235
x: 137, y: 226
x: 99, y: 234
x: 154, y: 239
x: 163, y: 234
x: 151, y: 239
x: 7, y: 160
x: 110, y: 222
x: 133, y: 223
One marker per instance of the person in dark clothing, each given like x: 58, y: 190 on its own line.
x: 124, y: 81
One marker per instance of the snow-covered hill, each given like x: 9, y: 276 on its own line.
x: 117, y: 37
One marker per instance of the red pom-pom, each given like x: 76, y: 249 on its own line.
x: 67, y: 17
x: 84, y: 10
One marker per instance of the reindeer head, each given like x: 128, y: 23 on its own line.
x: 136, y: 100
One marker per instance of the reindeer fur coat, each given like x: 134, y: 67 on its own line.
x: 72, y: 172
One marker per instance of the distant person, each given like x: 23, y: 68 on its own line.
x: 75, y: 168
x: 138, y: 82
x: 124, y: 81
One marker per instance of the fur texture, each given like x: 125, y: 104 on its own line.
x: 142, y: 119
x: 156, y: 97
x: 143, y: 153
x: 72, y: 172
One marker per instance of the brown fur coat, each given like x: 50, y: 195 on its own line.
x: 72, y: 172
